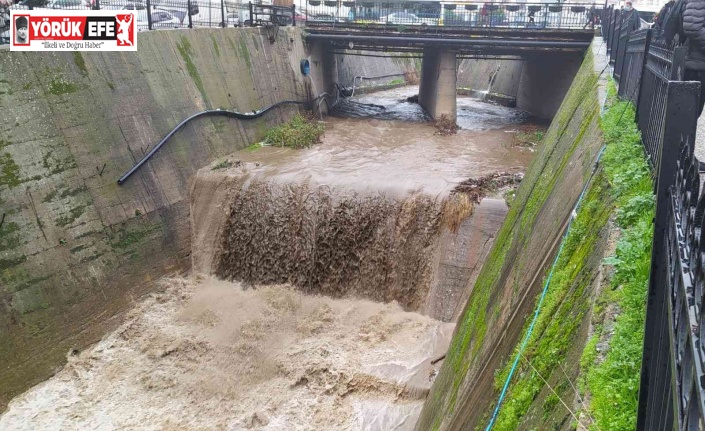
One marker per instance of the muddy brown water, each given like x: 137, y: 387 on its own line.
x: 366, y: 212
x: 347, y: 257
x: 397, y: 150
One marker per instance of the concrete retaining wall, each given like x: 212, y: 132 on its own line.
x: 75, y: 248
x: 503, y: 295
x: 496, y: 76
x: 350, y: 66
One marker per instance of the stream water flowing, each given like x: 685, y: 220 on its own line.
x: 346, y: 264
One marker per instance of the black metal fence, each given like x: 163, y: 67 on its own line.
x: 166, y: 14
x: 650, y: 74
x: 460, y: 14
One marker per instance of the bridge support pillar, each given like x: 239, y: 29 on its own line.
x: 438, y: 81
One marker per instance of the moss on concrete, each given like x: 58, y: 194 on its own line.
x: 9, y: 171
x: 186, y: 51
x: 60, y: 86
x: 80, y: 63
x: 215, y: 46
x: 9, y: 235
x: 73, y: 214
x: 567, y: 133
x: 128, y: 237
x: 244, y: 52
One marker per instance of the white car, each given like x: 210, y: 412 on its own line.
x: 402, y: 18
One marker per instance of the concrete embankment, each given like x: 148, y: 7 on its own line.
x: 504, y: 294
x: 76, y: 248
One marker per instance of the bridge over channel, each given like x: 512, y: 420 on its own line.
x: 550, y: 38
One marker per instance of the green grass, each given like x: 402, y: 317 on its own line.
x: 622, y: 187
x: 222, y: 165
x: 613, y: 383
x: 397, y: 81
x: 566, y: 302
x: 299, y: 132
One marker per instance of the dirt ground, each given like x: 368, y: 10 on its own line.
x: 202, y: 354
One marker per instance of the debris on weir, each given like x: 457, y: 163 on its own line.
x: 478, y: 188
x: 446, y: 126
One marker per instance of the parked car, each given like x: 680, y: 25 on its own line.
x: 232, y: 19
x: 402, y: 18
x: 160, y: 17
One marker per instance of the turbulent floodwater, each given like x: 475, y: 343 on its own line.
x: 366, y: 213
x: 208, y: 355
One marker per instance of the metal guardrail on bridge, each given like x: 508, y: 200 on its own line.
x: 457, y: 14
x: 649, y: 74
x: 167, y: 14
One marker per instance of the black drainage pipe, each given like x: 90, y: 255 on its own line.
x: 212, y: 112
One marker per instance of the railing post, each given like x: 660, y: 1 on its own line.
x: 149, y: 14
x: 545, y: 18
x: 654, y: 408
x: 252, y: 15
x: 188, y: 13
x: 678, y: 63
x: 638, y: 88
x: 96, y: 5
x: 222, y: 14
x: 293, y: 15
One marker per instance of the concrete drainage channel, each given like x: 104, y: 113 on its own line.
x: 323, y: 288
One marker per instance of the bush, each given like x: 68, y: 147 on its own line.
x: 299, y: 132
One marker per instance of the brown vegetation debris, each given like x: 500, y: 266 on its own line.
x: 478, y: 188
x: 446, y: 126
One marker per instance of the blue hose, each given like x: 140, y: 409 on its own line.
x: 541, y: 298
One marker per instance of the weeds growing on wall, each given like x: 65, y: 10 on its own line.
x: 299, y: 132
x: 623, y: 188
x: 612, y: 379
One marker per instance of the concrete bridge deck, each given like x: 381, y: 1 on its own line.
x: 468, y: 42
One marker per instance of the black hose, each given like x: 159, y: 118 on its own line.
x: 214, y: 112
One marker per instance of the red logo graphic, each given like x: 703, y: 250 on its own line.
x: 125, y: 30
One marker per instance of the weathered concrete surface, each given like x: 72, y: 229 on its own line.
x: 438, y: 83
x: 76, y: 248
x: 382, y: 69
x: 503, y: 295
x: 492, y: 76
x: 545, y: 80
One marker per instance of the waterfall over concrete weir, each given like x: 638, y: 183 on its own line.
x: 358, y: 215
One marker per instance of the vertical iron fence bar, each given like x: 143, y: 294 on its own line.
x: 678, y: 63
x: 679, y: 120
x: 222, y: 14
x: 615, y: 36
x: 638, y: 86
x: 149, y: 14
x: 622, y: 39
x: 189, y: 12
x: 293, y: 15
x: 252, y: 15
